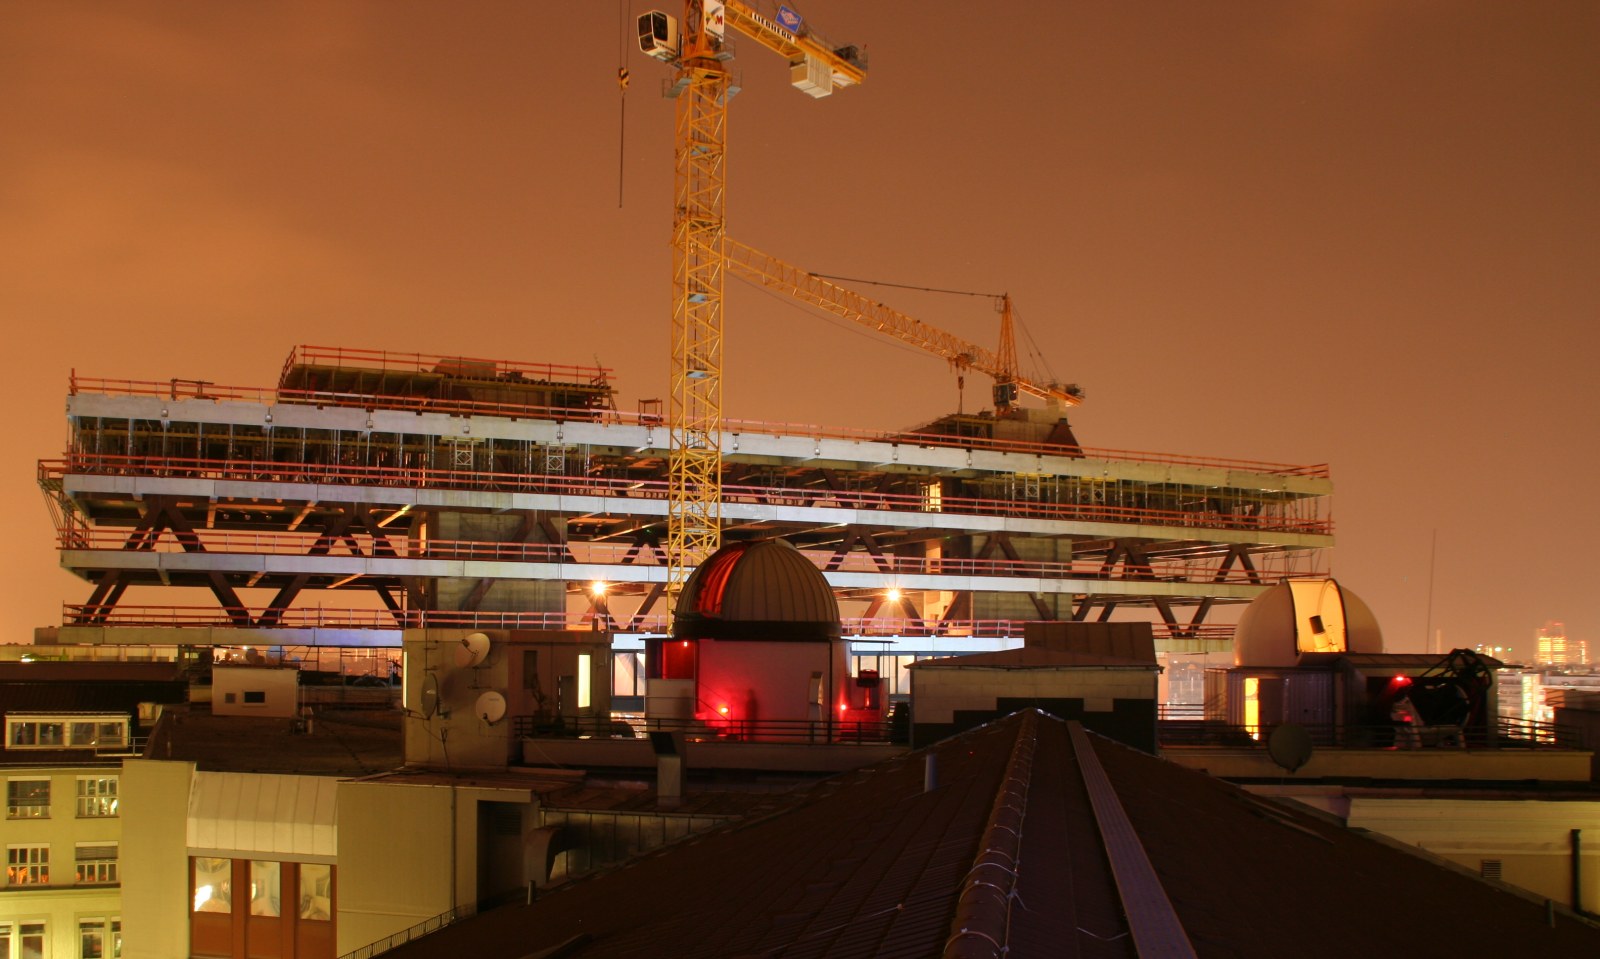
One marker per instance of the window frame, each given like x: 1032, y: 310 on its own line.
x: 37, y: 866
x: 98, y: 797
x: 16, y: 808
x: 59, y: 730
x: 107, y: 869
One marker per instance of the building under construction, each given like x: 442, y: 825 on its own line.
x: 369, y: 492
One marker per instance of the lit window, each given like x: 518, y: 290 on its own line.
x: 27, y: 865
x: 28, y: 799
x: 97, y: 796
x: 1252, y: 707
x: 92, y: 938
x: 97, y: 938
x: 31, y: 940
x: 585, y: 664
x: 264, y: 897
x: 52, y: 732
x: 97, y: 863
x: 213, y: 887
x: 316, y: 891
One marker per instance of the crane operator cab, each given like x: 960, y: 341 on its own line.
x: 658, y: 36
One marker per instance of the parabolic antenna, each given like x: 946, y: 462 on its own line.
x: 473, y: 651
x: 1289, y: 745
x: 491, y: 707
x: 430, y: 696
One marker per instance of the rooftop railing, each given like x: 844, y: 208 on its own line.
x: 304, y: 541
x: 852, y: 627
x: 845, y: 728
x: 417, y: 931
x: 202, y: 390
x: 1506, y: 733
x: 429, y: 477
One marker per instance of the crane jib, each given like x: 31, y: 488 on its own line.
x: 766, y: 24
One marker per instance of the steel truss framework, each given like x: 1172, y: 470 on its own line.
x: 399, y: 515
x: 694, y: 519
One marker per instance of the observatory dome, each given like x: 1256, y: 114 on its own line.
x: 1304, y: 616
x: 762, y: 589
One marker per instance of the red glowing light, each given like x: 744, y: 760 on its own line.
x: 1401, y: 681
x: 723, y: 710
x: 844, y: 707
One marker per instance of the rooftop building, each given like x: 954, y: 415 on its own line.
x: 369, y: 491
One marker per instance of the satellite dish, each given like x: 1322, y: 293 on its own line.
x: 1289, y: 745
x: 491, y: 707
x: 473, y: 651
x: 430, y: 695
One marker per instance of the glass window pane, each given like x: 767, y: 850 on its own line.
x: 116, y: 939
x: 28, y: 798
x: 213, y: 890
x: 97, y: 863
x: 83, y: 734
x: 91, y: 939
x: 32, y: 940
x: 316, y: 891
x: 27, y: 865
x: 97, y: 796
x: 52, y: 734
x: 264, y: 888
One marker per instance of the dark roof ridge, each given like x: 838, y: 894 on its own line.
x: 983, y: 910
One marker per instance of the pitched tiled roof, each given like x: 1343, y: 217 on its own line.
x: 869, y: 864
x: 341, y: 743
x: 115, y: 696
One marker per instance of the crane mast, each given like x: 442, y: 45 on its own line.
x: 697, y: 48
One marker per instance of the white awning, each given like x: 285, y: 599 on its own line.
x: 273, y: 817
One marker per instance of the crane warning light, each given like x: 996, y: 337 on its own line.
x: 723, y: 709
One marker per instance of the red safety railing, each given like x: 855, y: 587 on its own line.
x: 851, y: 626
x: 733, y: 427
x: 302, y: 542
x: 434, y: 478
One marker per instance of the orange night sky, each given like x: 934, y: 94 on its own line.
x: 1348, y: 231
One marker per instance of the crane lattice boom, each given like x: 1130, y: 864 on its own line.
x: 769, y: 271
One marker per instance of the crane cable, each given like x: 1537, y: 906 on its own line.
x: 906, y: 286
x: 622, y: 90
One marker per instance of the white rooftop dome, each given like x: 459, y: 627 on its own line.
x: 1304, y: 616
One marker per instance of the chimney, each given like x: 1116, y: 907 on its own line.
x: 669, y: 768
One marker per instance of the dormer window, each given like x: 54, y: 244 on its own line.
x: 66, y: 731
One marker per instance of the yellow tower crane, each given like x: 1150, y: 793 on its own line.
x: 698, y: 46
